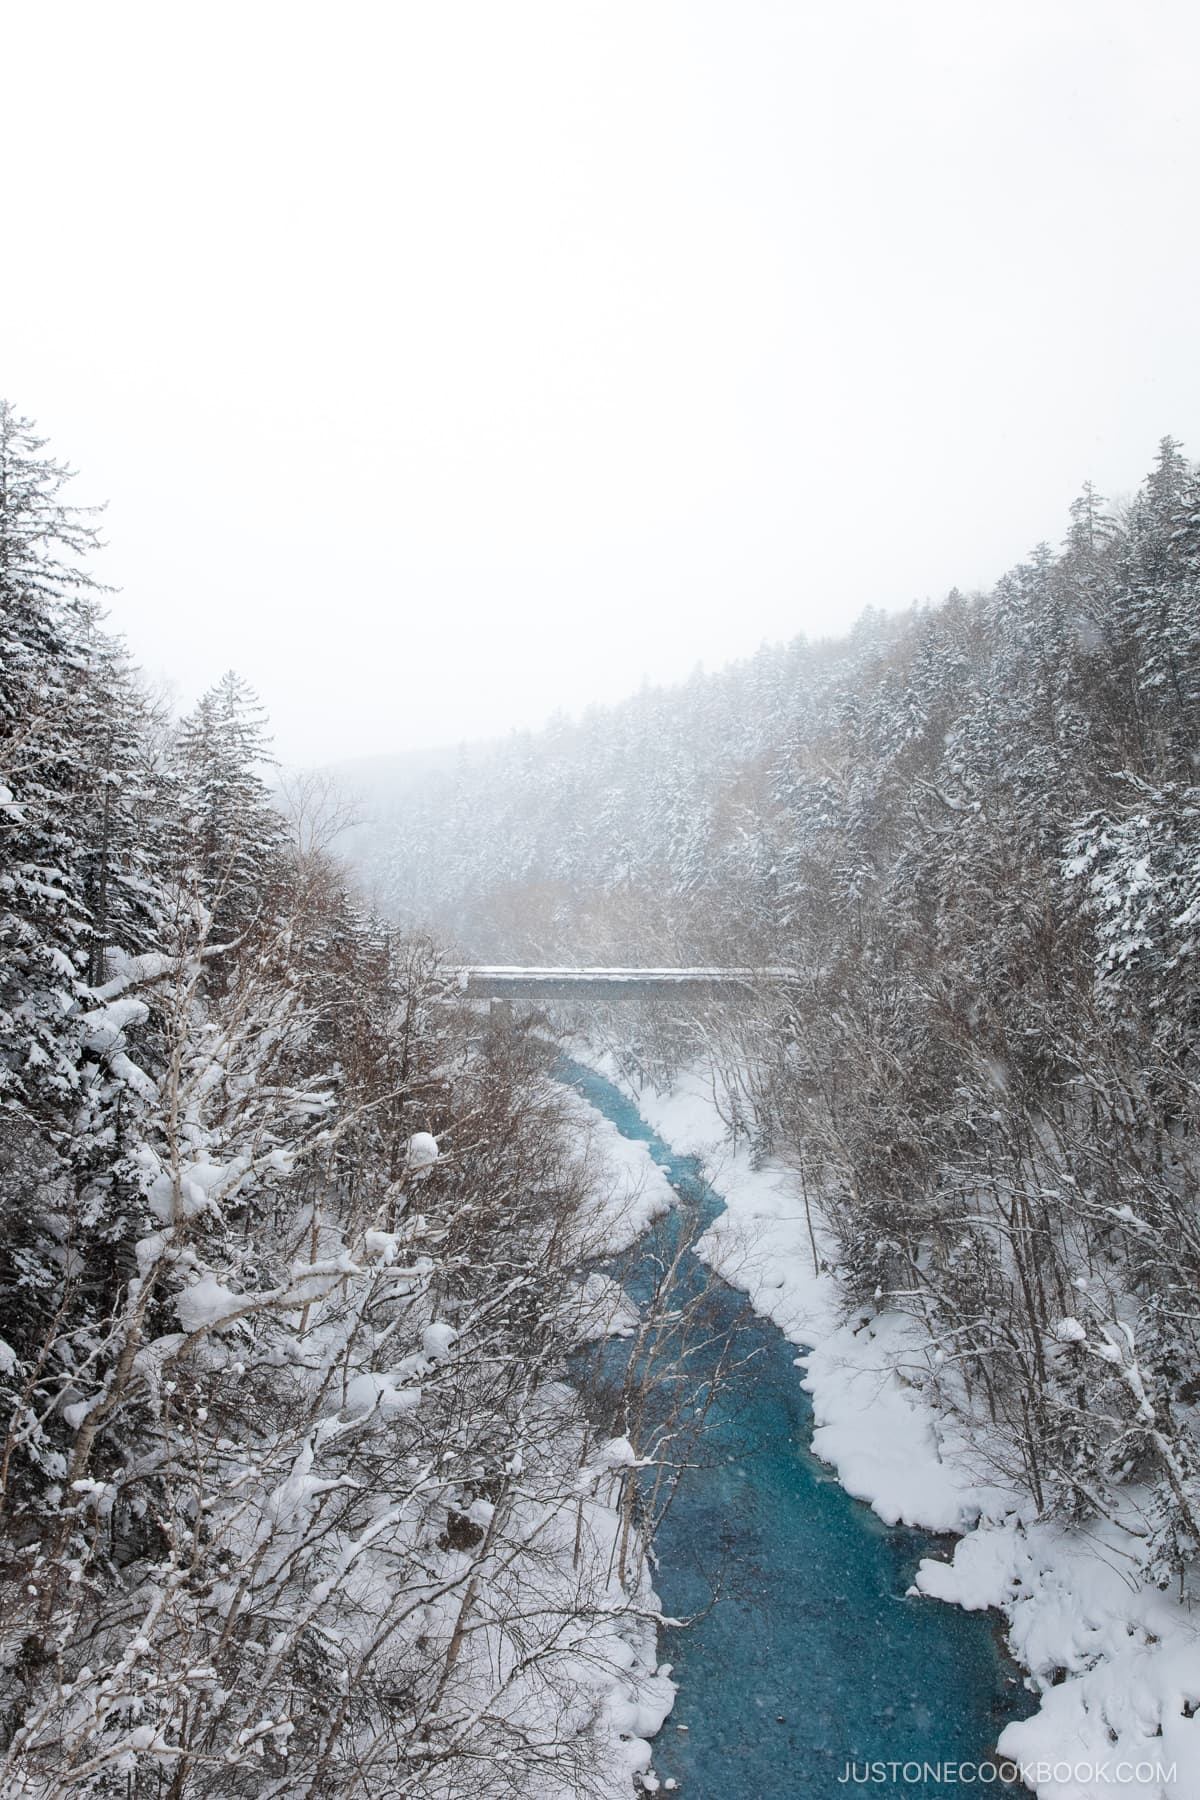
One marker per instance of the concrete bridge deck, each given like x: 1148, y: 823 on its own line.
x: 508, y: 982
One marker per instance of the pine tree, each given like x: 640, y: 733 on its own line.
x: 53, y: 1119
x: 233, y: 833
x: 47, y: 610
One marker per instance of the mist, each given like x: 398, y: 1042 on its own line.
x: 449, y: 366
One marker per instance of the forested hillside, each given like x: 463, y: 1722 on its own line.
x: 811, y: 772
x: 974, y: 831
x: 290, y: 1490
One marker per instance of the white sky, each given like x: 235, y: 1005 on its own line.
x: 446, y: 364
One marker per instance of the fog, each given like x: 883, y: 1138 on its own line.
x: 447, y: 365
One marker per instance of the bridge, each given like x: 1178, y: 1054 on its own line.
x: 506, y: 982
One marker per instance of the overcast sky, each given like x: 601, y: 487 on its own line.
x: 448, y: 364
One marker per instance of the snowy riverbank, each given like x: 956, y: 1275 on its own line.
x: 618, y: 1655
x: 1116, y: 1663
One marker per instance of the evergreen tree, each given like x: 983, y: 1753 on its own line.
x: 47, y: 608
x: 233, y: 832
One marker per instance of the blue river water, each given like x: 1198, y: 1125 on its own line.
x: 811, y: 1659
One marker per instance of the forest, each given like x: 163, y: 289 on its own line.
x: 973, y: 832
x: 294, y: 1497
x: 301, y: 1492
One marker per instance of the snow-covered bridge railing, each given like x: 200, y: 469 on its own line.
x: 504, y: 982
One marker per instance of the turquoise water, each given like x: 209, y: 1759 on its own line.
x: 811, y: 1657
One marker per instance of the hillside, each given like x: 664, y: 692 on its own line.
x: 925, y: 753
x: 975, y: 832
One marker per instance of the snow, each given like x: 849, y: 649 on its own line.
x: 391, y: 1392
x: 617, y: 1453
x: 500, y: 973
x: 104, y: 1030
x: 1115, y: 1661
x: 148, y: 1250
x: 385, y: 1245
x: 423, y: 1152
x: 437, y: 1340
x: 1132, y: 1656
x: 632, y: 1191
x: 878, y: 1435
x: 104, y: 1024
x: 619, y: 1657
x: 206, y: 1303
x: 605, y: 1310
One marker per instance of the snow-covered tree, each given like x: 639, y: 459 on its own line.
x: 233, y: 831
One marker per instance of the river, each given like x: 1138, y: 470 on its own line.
x: 812, y: 1658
